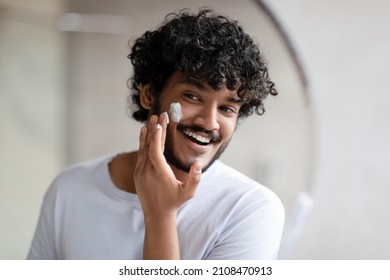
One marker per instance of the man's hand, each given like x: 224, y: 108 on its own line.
x: 159, y: 192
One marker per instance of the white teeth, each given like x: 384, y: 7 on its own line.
x: 197, y: 137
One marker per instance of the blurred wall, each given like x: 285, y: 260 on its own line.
x: 345, y: 49
x: 32, y: 116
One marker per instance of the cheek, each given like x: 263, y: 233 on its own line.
x: 227, y: 129
x: 188, y: 112
x: 171, y: 128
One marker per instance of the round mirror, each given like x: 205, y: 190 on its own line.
x: 274, y: 149
x: 64, y: 99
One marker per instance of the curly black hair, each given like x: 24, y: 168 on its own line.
x: 204, y: 46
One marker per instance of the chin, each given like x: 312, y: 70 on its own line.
x: 185, y: 165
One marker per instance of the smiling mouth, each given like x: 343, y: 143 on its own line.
x: 196, y: 138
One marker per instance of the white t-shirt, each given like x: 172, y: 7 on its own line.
x: 85, y: 216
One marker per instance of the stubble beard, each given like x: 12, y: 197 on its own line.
x: 170, y: 154
x: 174, y: 160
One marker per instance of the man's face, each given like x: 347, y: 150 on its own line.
x: 208, y: 123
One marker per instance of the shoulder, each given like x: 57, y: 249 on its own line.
x: 249, y: 217
x: 78, y: 176
x: 229, y: 179
x: 230, y: 185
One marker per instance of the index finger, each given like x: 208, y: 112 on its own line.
x: 155, y: 146
x: 163, y: 120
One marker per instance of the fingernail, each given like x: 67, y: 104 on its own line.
x: 166, y: 116
x: 198, y: 169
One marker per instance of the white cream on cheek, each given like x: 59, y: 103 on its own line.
x: 176, y: 112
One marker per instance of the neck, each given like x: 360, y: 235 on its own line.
x: 121, y: 170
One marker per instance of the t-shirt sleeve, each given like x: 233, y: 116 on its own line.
x: 43, y: 243
x: 253, y: 232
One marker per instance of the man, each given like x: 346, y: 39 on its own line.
x: 173, y: 198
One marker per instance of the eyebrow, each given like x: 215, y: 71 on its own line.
x: 194, y: 82
x: 234, y: 100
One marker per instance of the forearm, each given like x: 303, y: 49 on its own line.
x: 161, y: 239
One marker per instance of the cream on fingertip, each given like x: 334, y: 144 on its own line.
x: 166, y: 116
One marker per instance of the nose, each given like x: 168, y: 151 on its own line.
x: 207, y: 117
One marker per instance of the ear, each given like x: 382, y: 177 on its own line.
x: 146, y: 97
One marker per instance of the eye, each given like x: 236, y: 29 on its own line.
x: 192, y: 97
x: 228, y: 109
